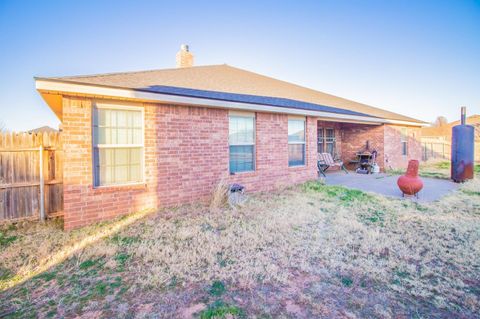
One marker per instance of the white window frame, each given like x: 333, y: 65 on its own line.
x: 297, y: 118
x: 118, y: 106
x: 250, y: 116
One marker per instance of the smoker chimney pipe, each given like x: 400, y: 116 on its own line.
x: 464, y: 115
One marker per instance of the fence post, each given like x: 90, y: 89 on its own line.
x: 42, y: 185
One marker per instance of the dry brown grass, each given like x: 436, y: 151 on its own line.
x: 219, y: 195
x: 422, y: 252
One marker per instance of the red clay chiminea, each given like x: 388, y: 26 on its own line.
x: 410, y: 183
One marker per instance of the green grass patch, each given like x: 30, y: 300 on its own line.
x: 5, y: 274
x: 125, y: 240
x: 219, y: 309
x: 6, y: 240
x: 88, y: 264
x: 471, y: 193
x: 101, y: 289
x: 433, y: 174
x: 346, y: 281
x: 476, y: 169
x: 313, y: 186
x: 398, y: 276
x: 442, y: 165
x: 47, y: 276
x: 121, y: 259
x: 373, y: 216
x: 345, y: 195
x: 217, y: 288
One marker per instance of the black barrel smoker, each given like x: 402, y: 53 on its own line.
x: 462, y: 150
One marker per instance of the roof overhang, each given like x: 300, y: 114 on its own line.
x: 53, y: 89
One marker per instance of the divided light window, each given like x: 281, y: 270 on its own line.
x: 296, y: 142
x: 326, y: 140
x: 117, y: 145
x: 241, y: 141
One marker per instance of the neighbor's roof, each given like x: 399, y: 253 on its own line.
x: 446, y: 130
x: 224, y: 82
x: 43, y: 129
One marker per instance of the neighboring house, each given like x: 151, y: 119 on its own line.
x: 436, y: 140
x: 43, y: 129
x: 165, y: 137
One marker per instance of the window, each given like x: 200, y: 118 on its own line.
x: 117, y: 145
x: 242, y: 142
x: 326, y: 140
x: 296, y: 142
x: 404, y: 141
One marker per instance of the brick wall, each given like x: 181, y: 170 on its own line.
x: 393, y: 146
x: 272, y: 155
x: 354, y: 138
x: 84, y: 204
x: 186, y: 154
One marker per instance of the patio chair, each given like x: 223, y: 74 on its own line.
x: 325, y: 161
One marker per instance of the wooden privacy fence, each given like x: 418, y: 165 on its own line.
x: 31, y: 167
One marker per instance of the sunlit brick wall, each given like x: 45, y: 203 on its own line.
x: 393, y: 145
x: 186, y: 154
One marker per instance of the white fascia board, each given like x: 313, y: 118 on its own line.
x: 66, y: 87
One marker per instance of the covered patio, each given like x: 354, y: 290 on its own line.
x: 393, y: 145
x: 386, y: 184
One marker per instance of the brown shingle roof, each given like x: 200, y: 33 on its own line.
x: 227, y: 79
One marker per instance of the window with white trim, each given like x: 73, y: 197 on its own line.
x: 241, y: 139
x: 296, y: 142
x: 117, y: 145
x: 404, y: 140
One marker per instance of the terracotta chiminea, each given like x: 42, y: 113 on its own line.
x: 410, y: 183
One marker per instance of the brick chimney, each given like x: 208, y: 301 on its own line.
x: 184, y: 57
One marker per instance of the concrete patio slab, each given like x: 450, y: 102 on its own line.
x: 386, y: 184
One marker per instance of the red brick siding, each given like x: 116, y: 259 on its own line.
x: 186, y: 153
x: 355, y: 136
x: 393, y: 146
x: 82, y: 203
x: 272, y: 170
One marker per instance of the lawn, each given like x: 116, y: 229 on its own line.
x: 307, y: 251
x: 434, y: 169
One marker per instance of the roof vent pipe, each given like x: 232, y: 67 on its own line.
x: 464, y: 115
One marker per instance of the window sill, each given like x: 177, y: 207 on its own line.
x: 243, y: 173
x: 120, y: 187
x: 297, y: 166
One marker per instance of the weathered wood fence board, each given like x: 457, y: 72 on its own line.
x: 20, y: 175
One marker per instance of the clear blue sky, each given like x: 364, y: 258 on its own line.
x: 418, y: 58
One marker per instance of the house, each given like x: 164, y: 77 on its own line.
x: 43, y: 129
x: 166, y: 137
x: 436, y: 140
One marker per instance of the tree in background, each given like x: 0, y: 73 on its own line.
x: 440, y: 121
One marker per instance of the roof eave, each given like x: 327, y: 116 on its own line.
x: 48, y: 86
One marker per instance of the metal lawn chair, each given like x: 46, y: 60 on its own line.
x: 325, y: 161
